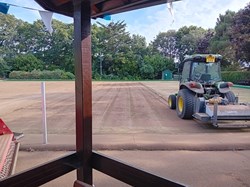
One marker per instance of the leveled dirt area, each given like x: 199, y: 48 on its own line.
x: 195, y: 169
x: 118, y: 107
x: 137, y: 111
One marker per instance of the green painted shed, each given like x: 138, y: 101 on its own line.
x: 167, y: 75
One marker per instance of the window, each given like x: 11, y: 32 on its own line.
x: 186, y: 71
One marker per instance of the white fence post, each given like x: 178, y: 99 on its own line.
x: 44, y: 115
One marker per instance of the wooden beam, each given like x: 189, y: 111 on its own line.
x: 132, y: 5
x: 97, y: 1
x: 83, y: 87
x: 119, y: 7
x: 60, y: 2
x: 80, y: 184
x: 42, y: 174
x: 129, y: 174
x: 143, y: 5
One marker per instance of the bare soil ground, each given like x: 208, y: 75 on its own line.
x: 124, y: 108
x: 192, y: 168
x: 118, y: 107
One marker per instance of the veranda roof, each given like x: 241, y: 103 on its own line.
x: 99, y: 8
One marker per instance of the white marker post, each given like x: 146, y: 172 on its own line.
x: 44, y: 115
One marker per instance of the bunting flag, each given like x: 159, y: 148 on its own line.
x: 47, y: 19
x: 45, y: 15
x: 107, y: 17
x: 4, y: 8
x: 170, y: 8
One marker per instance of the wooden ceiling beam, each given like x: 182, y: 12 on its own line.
x: 99, y: 7
x: 97, y: 1
x: 132, y: 6
x: 60, y: 2
x: 142, y: 5
x: 118, y: 7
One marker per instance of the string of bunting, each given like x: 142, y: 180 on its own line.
x: 45, y: 15
x: 170, y: 8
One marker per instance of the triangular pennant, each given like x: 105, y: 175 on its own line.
x: 47, y: 19
x: 4, y: 8
x: 107, y: 17
x: 170, y: 8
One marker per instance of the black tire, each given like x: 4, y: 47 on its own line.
x: 185, y: 104
x: 172, y: 102
x: 230, y: 97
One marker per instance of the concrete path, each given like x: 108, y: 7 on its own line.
x: 192, y: 168
x: 156, y: 142
x: 143, y: 132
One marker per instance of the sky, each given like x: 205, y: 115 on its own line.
x: 149, y: 22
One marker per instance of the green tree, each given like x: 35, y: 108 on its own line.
x: 9, y: 30
x: 203, y: 43
x: 157, y: 63
x: 187, y: 40
x: 139, y: 47
x: 4, y: 68
x: 113, y: 45
x: 31, y: 38
x: 57, y: 51
x: 138, y: 51
x: 220, y: 42
x: 25, y: 62
x: 97, y: 52
x: 147, y: 72
x: 166, y: 44
x: 241, y: 34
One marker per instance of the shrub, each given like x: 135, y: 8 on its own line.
x: 25, y: 62
x: 110, y: 77
x: 37, y: 74
x: 69, y: 75
x: 235, y: 76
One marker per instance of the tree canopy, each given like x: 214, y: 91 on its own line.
x: 240, y: 35
x: 116, y: 54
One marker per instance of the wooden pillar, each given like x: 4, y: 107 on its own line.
x: 83, y: 87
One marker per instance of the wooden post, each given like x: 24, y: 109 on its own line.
x: 83, y: 87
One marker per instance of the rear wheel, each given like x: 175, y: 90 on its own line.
x: 185, y: 104
x: 230, y: 96
x: 172, y: 102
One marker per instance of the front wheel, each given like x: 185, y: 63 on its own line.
x: 172, y: 102
x: 230, y: 96
x: 185, y: 104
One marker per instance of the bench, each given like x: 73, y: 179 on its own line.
x: 8, y: 151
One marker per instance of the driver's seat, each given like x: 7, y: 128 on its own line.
x: 205, y: 77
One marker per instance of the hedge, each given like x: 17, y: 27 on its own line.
x: 37, y: 74
x: 235, y: 76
